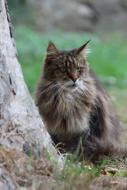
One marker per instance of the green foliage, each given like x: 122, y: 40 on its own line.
x: 79, y: 174
x: 108, y: 57
x: 121, y: 173
x: 21, y: 13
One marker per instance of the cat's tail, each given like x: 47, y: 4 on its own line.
x: 121, y: 151
x: 96, y: 149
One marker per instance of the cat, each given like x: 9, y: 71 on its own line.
x: 75, y: 107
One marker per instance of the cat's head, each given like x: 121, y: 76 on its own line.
x: 64, y: 66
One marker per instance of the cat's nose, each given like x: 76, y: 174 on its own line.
x: 74, y: 78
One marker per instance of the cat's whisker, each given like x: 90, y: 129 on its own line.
x: 50, y: 87
x: 63, y: 87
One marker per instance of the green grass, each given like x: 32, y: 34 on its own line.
x: 79, y: 175
x: 108, y: 57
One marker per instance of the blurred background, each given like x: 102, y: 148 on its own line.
x: 70, y: 23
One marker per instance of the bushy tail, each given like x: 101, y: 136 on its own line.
x: 95, y: 149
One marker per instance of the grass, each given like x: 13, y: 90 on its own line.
x: 108, y: 57
x: 40, y: 174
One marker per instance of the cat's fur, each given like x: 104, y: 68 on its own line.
x: 75, y: 107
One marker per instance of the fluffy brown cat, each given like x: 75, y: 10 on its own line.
x: 75, y: 107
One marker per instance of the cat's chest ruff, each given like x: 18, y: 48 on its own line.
x: 72, y: 116
x: 71, y: 103
x: 69, y: 110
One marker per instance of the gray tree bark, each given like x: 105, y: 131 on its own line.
x: 20, y: 124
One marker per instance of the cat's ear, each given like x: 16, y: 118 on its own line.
x: 52, y: 50
x: 83, y: 50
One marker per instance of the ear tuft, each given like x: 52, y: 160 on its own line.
x: 84, y: 50
x: 52, y: 50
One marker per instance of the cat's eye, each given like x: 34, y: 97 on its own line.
x: 78, y: 68
x: 64, y: 78
x: 63, y: 70
x: 68, y: 69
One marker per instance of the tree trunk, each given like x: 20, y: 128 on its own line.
x: 20, y: 124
